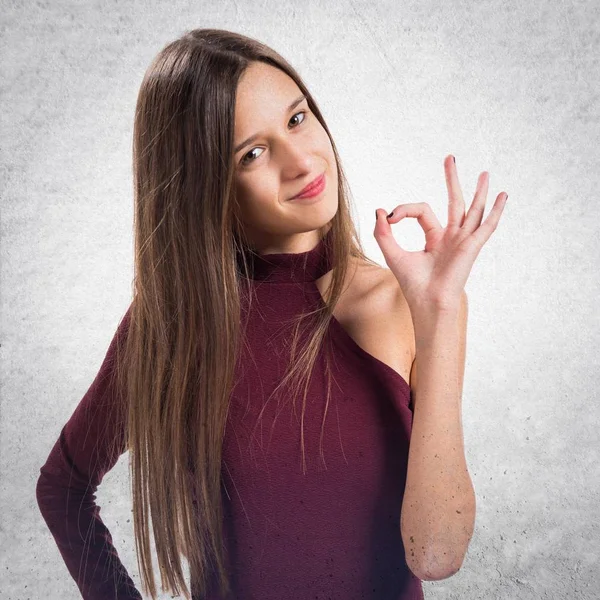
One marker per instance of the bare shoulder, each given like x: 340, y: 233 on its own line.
x: 400, y: 306
x: 375, y: 313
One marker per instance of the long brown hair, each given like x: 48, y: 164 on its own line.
x: 184, y: 329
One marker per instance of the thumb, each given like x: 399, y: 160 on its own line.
x: 380, y: 218
x: 385, y: 238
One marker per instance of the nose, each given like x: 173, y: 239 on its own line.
x: 296, y: 157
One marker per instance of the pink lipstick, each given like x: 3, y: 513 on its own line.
x: 312, y: 190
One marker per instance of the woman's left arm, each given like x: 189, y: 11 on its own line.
x: 438, y: 509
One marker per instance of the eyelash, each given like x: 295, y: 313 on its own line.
x: 244, y: 160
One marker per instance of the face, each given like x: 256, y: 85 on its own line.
x: 290, y: 150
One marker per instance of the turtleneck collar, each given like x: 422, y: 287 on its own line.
x: 299, y: 267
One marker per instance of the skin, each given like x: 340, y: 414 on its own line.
x: 290, y: 152
x: 292, y: 149
x: 438, y: 510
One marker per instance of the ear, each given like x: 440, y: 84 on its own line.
x: 463, y: 315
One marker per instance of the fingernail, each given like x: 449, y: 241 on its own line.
x: 388, y: 216
x: 376, y: 215
x: 454, y: 159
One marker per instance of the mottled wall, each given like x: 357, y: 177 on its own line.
x: 507, y: 87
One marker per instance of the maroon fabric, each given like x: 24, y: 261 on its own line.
x: 331, y: 532
x: 68, y: 481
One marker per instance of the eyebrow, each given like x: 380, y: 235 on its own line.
x: 256, y: 135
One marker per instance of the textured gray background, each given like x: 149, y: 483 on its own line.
x: 507, y: 87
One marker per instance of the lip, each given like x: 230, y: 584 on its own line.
x: 313, y: 188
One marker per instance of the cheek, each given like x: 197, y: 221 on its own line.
x: 256, y: 196
x: 256, y: 187
x: 327, y: 149
x: 331, y: 163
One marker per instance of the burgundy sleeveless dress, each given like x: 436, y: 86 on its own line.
x: 327, y: 530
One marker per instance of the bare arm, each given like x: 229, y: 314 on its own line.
x: 438, y: 511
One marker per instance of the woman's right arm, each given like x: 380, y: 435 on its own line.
x: 89, y: 445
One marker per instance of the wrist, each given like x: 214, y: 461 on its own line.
x: 431, y: 320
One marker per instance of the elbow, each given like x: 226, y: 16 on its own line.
x: 46, y: 492
x: 436, y: 565
x: 435, y: 573
x: 42, y: 493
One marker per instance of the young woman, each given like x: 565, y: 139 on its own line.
x: 263, y: 377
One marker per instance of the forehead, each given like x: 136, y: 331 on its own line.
x: 262, y: 91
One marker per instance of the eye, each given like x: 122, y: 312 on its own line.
x: 245, y: 160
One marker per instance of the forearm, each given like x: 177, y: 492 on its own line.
x: 438, y: 511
